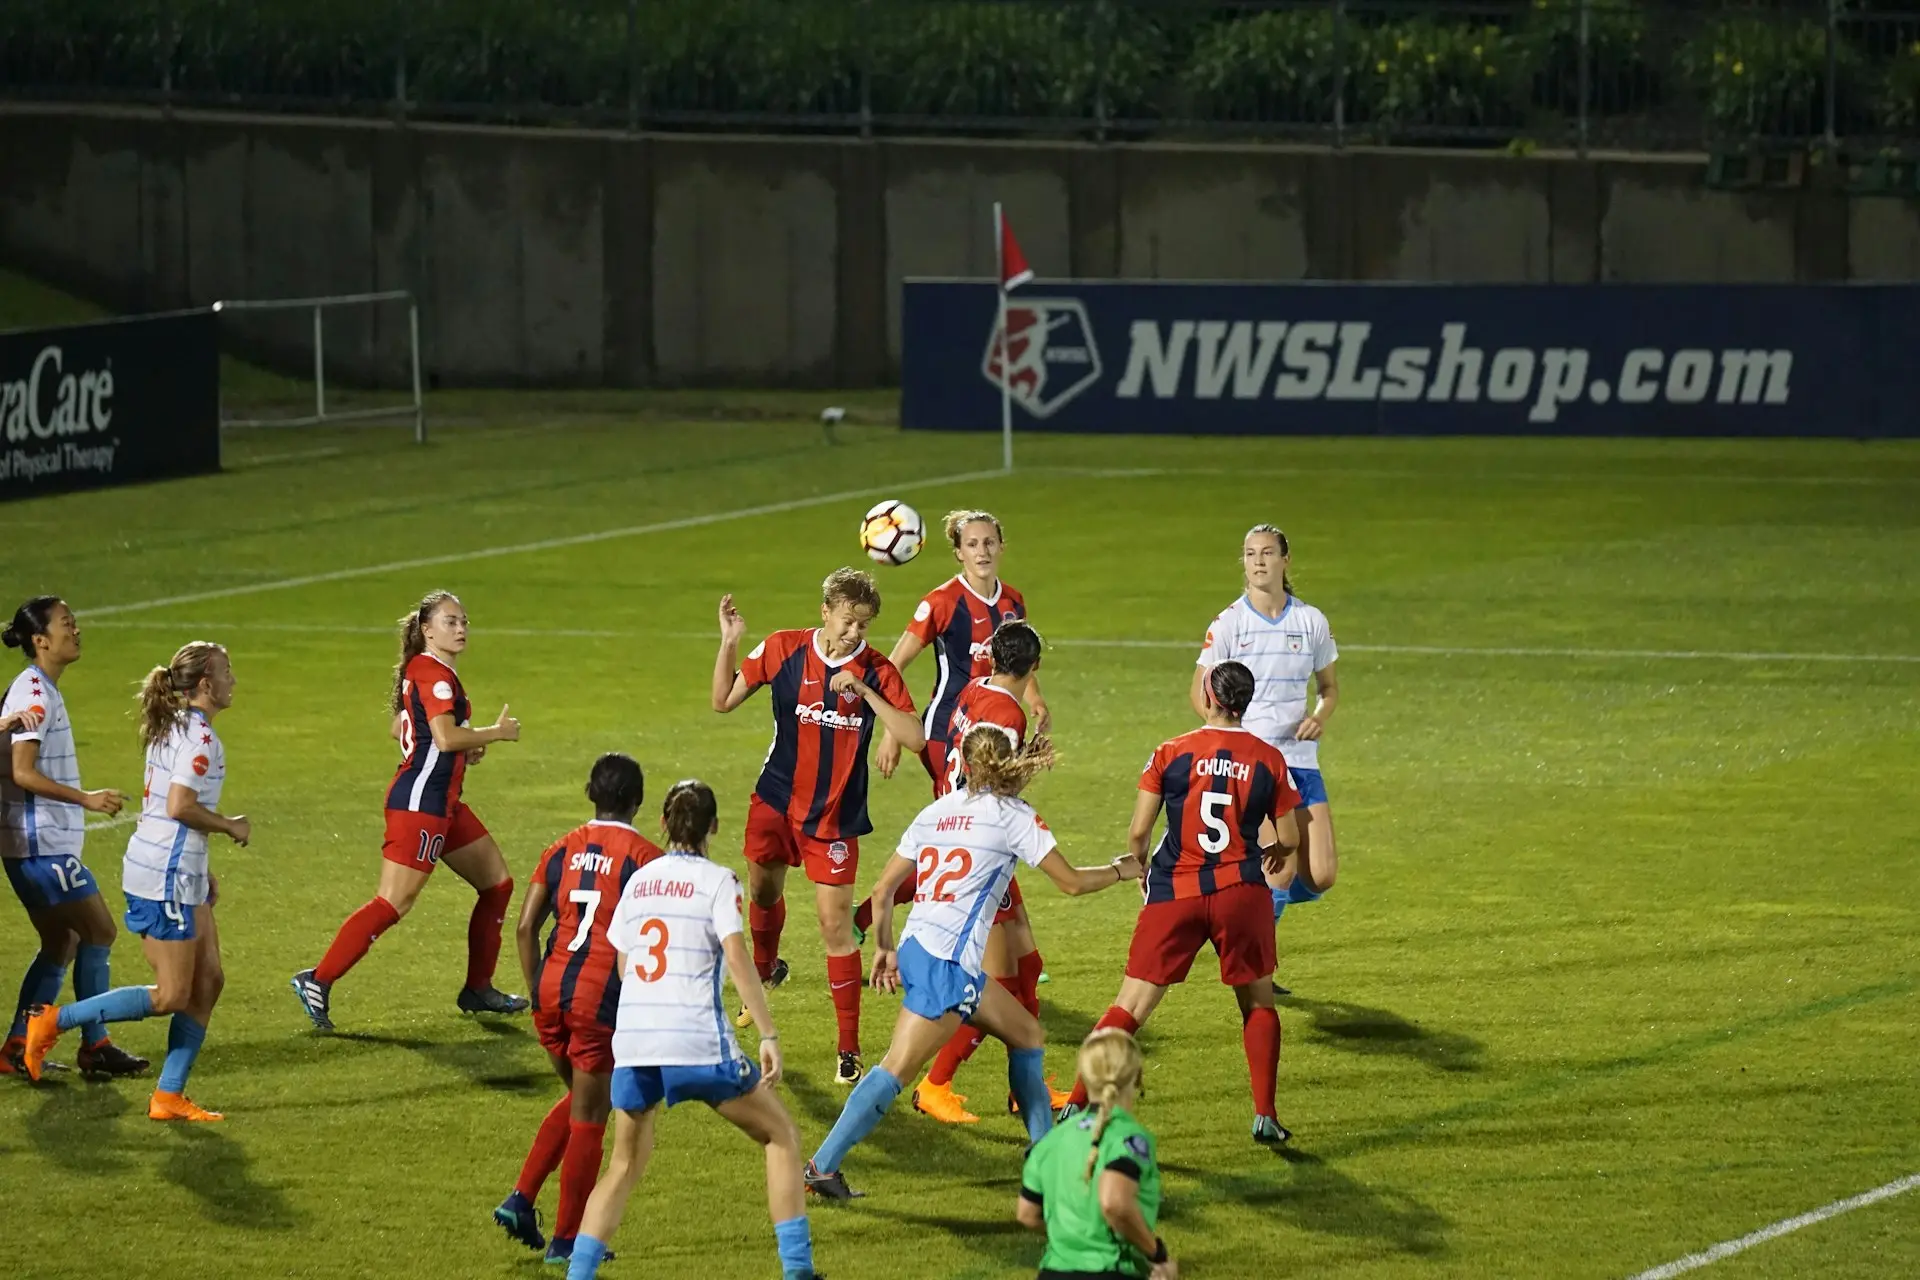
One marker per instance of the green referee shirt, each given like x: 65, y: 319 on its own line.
x: 1078, y: 1238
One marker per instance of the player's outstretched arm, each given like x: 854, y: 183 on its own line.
x: 903, y: 725
x: 184, y: 807
x: 27, y: 777
x: 526, y: 933
x: 730, y: 687
x: 753, y: 996
x: 450, y: 736
x: 1074, y: 881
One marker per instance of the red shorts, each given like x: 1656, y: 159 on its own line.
x: 577, y: 1038
x: 418, y: 840
x: 774, y: 840
x: 1009, y: 903
x: 1238, y: 921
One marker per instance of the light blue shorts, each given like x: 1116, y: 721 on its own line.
x: 40, y: 883
x: 642, y: 1088
x: 1308, y: 782
x: 161, y: 921
x: 936, y: 988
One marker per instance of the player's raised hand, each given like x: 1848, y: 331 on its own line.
x: 239, y: 830
x: 886, y: 971
x: 1309, y: 730
x: 770, y: 1066
x: 887, y: 758
x: 26, y: 718
x: 106, y: 802
x: 506, y: 726
x: 845, y: 681
x: 732, y: 625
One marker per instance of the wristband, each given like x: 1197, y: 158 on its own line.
x: 1159, y: 1251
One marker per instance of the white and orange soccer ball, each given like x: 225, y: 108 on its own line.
x: 892, y: 533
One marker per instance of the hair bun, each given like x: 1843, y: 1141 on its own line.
x: 11, y: 638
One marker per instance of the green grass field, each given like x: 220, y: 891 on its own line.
x: 1622, y: 961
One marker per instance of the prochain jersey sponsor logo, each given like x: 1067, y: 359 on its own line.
x: 819, y: 714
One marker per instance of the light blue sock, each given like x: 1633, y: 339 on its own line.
x: 588, y: 1253
x: 92, y: 977
x: 122, y: 1004
x: 1279, y: 902
x: 184, y: 1038
x: 796, y: 1248
x: 40, y: 986
x: 1027, y: 1074
x: 865, y: 1108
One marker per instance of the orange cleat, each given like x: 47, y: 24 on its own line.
x: 178, y: 1106
x: 942, y: 1103
x: 1060, y: 1096
x: 43, y: 1031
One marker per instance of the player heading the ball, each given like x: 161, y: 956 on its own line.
x: 809, y: 807
x: 427, y: 820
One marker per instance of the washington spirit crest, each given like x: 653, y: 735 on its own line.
x: 1051, y: 355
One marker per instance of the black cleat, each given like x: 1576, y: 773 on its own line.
x: 491, y: 1000
x: 315, y: 997
x: 850, y: 1069
x: 1270, y: 1131
x: 521, y: 1221
x: 1068, y: 1112
x: 830, y: 1186
x: 778, y: 978
x: 109, y: 1059
x: 1280, y: 990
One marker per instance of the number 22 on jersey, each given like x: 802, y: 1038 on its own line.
x: 938, y: 872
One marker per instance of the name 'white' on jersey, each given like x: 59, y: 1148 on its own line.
x: 33, y: 826
x: 166, y: 859
x: 1283, y: 653
x: 668, y: 926
x: 964, y: 847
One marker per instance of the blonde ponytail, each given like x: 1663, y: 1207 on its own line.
x: 1110, y: 1066
x: 413, y: 643
x: 993, y: 765
x: 166, y: 691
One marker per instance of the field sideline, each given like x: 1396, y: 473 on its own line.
x: 1623, y: 961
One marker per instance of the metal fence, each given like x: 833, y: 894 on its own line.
x: 1833, y: 74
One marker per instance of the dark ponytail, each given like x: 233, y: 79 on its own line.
x: 1231, y: 684
x: 689, y: 814
x: 1015, y: 647
x: 413, y: 643
x: 29, y: 620
x: 1286, y: 583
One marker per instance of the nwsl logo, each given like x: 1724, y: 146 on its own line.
x: 1051, y: 355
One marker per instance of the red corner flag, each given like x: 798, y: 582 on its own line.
x: 1014, y: 270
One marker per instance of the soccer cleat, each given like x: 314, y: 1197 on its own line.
x: 1043, y: 979
x: 1270, y: 1131
x: 942, y: 1103
x: 850, y: 1070
x: 1068, y: 1112
x: 1056, y: 1098
x: 1280, y: 990
x: 830, y: 1186
x: 778, y: 978
x: 859, y: 936
x: 491, y: 1000
x: 109, y: 1059
x: 560, y: 1252
x: 43, y: 1030
x: 315, y: 997
x: 11, y: 1054
x: 521, y: 1221
x: 178, y: 1106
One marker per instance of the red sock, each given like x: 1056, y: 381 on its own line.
x: 955, y: 1051
x: 356, y: 936
x: 863, y: 914
x: 1115, y: 1016
x: 483, y: 933
x: 1260, y: 1033
x: 765, y: 924
x: 1027, y: 974
x: 548, y: 1146
x: 585, y: 1144
x: 843, y: 980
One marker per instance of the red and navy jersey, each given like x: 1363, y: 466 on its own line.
x: 816, y: 770
x: 957, y: 623
x: 429, y: 779
x: 585, y: 874
x: 980, y: 702
x: 1218, y: 786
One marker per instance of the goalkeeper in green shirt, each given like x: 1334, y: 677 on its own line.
x: 1092, y: 1184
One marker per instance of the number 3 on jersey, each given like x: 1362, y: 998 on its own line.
x: 938, y: 873
x: 650, y: 956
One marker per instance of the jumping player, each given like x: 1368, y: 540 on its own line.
x: 1283, y: 640
x: 427, y: 821
x: 809, y: 808
x: 42, y: 834
x: 170, y: 889
x: 960, y: 853
x: 576, y: 990
x: 1012, y: 958
x: 1222, y: 787
x: 673, y: 927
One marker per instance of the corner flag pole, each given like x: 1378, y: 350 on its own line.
x: 1006, y: 373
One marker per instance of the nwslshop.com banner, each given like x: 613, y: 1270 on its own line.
x: 109, y: 403
x: 1310, y: 359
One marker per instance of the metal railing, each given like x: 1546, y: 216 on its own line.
x: 416, y: 409
x: 1553, y: 73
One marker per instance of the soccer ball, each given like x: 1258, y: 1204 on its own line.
x: 892, y: 533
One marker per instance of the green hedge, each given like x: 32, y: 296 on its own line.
x: 970, y: 63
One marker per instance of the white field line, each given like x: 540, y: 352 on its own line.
x: 124, y: 820
x: 1727, y: 1248
x: 1078, y: 642
x: 544, y: 544
x: 1547, y: 477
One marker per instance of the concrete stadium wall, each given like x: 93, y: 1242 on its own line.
x: 576, y: 258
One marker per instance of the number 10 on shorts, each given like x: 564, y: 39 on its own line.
x: 430, y: 847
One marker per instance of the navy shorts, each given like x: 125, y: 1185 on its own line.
x: 40, y: 883
x: 643, y: 1088
x: 161, y: 921
x: 936, y: 988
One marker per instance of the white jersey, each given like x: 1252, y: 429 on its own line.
x: 166, y: 859
x: 965, y: 846
x: 34, y: 826
x: 672, y: 917
x: 1283, y: 653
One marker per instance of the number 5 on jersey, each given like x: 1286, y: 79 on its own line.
x: 1214, y: 834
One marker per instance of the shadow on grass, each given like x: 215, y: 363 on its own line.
x: 216, y: 1169
x: 1319, y: 1198
x: 1359, y: 1029
x: 480, y: 1061
x: 76, y: 1126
